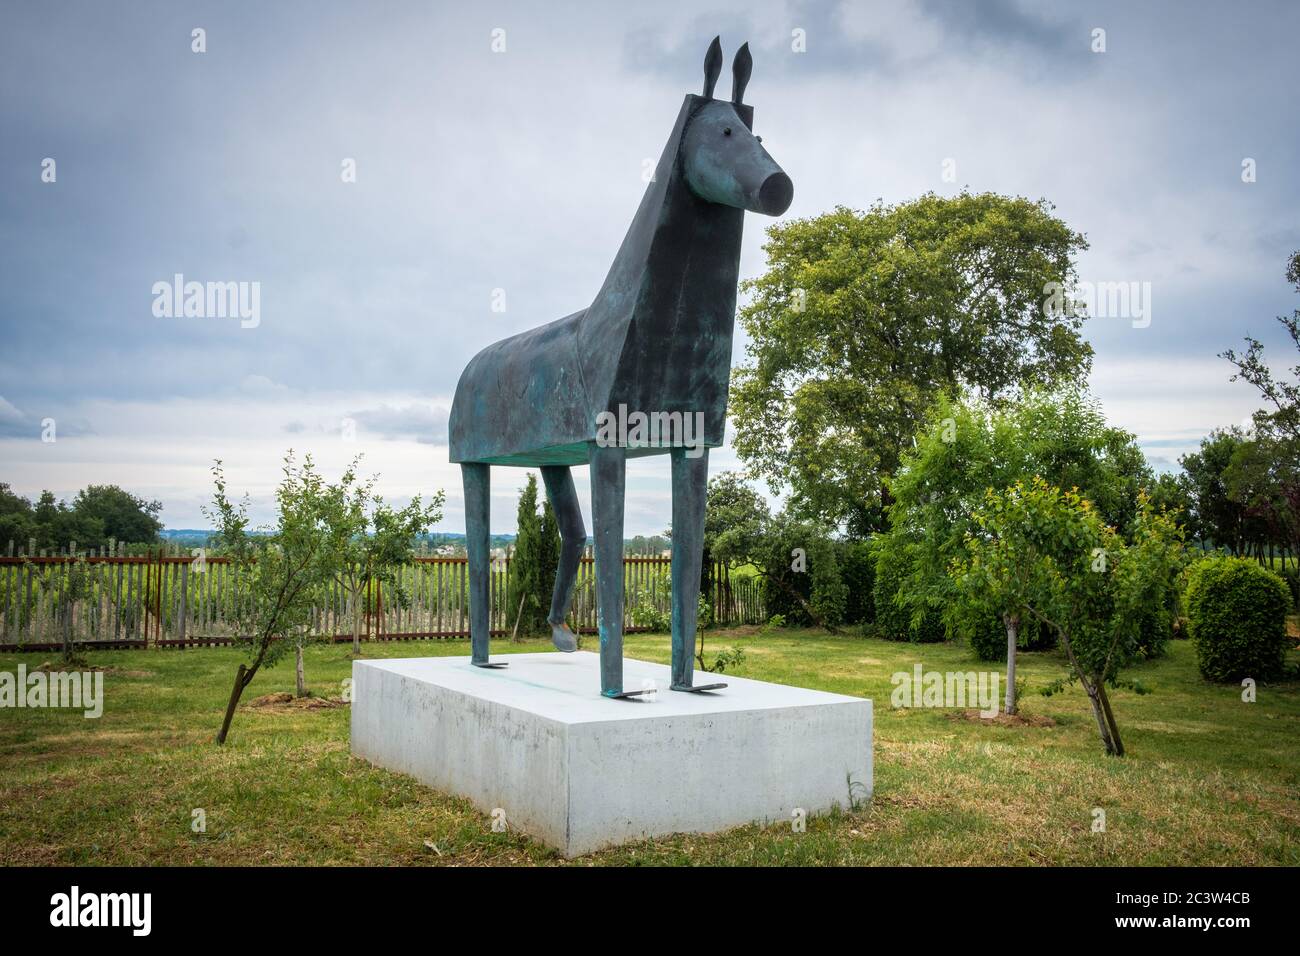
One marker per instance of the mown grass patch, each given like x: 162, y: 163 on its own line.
x: 1209, y: 779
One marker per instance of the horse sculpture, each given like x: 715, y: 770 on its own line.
x: 657, y: 341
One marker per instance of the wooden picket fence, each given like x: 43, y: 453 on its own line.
x: 164, y: 599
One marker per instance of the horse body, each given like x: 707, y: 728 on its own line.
x: 656, y: 340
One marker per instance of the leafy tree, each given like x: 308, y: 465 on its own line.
x: 370, y: 542
x: 796, y: 559
x: 17, y: 522
x: 533, y: 563
x: 1049, y: 554
x: 98, y: 515
x: 1173, y: 493
x: 278, y: 576
x: 862, y: 319
x: 968, y: 447
x: 548, y: 559
x: 1284, y: 397
x: 1264, y: 475
x: 124, y: 517
x: 1218, y: 517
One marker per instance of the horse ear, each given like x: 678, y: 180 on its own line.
x: 712, y: 66
x: 740, y: 69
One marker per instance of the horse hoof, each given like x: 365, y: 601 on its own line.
x: 563, y: 638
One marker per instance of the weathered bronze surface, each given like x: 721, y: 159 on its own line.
x: 656, y: 340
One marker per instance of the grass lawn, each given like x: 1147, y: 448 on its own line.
x: 1208, y: 779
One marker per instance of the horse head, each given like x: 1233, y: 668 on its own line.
x: 722, y: 160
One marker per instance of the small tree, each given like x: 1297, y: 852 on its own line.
x: 970, y: 446
x: 1047, y: 553
x: 529, y: 599
x: 548, y: 557
x: 279, y: 575
x: 370, y: 541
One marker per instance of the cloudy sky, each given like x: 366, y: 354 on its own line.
x: 519, y: 169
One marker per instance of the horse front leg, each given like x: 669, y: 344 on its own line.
x: 690, y: 490
x: 475, y: 477
x: 608, y: 483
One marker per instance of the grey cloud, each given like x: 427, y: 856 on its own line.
x: 426, y: 424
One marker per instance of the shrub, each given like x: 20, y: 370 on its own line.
x: 644, y: 611
x: 817, y: 582
x: 858, y: 572
x: 895, y: 622
x: 1236, y: 613
x: 1155, y: 631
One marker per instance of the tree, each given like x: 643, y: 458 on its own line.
x: 1284, y: 397
x: 548, y: 556
x: 862, y: 319
x: 1218, y: 517
x: 370, y: 542
x: 529, y: 600
x: 16, y: 520
x: 98, y: 515
x: 795, y: 559
x: 968, y: 447
x: 278, y: 576
x: 124, y: 516
x: 1264, y: 474
x: 1048, y: 553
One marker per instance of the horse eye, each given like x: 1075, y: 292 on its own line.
x: 727, y: 131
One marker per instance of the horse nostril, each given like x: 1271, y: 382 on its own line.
x: 727, y: 131
x: 776, y: 194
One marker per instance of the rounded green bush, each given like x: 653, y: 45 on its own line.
x: 1236, y: 612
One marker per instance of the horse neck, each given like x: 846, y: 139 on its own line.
x: 673, y: 282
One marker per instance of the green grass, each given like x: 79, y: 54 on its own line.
x: 1208, y: 779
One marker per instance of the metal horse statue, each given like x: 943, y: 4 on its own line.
x: 656, y: 340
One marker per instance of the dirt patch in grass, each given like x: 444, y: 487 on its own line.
x: 287, y: 702
x: 1004, y: 720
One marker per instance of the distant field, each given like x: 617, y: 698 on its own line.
x: 1208, y: 780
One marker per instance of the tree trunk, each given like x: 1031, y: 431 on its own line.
x: 241, y: 682
x: 1116, y: 744
x: 1102, y: 727
x: 302, y: 679
x: 1013, y: 631
x: 356, y: 622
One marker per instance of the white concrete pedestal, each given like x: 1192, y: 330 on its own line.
x: 580, y: 772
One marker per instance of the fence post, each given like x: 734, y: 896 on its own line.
x: 185, y: 601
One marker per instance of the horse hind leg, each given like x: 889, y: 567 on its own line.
x: 573, y: 538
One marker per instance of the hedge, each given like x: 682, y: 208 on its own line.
x: 1236, y: 611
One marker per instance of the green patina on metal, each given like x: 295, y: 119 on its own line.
x: 656, y: 340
